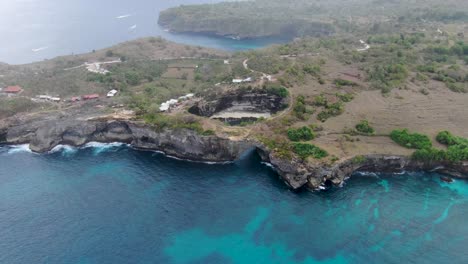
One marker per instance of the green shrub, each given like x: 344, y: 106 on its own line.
x: 359, y: 159
x: 312, y: 69
x: 279, y: 146
x: 278, y: 90
x: 300, y: 108
x: 304, y: 150
x: 457, y: 153
x: 208, y: 132
x: 161, y: 121
x: 456, y: 87
x: 387, y: 77
x: 345, y: 97
x: 365, y: 128
x: 411, y: 140
x: 429, y: 154
x: 342, y: 82
x: 320, y: 100
x: 332, y: 110
x: 446, y: 138
x: 300, y: 134
x: 457, y: 146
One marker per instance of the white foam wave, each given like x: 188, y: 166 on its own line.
x: 101, y: 147
x: 18, y: 148
x: 188, y: 160
x: 66, y: 149
x: 268, y: 164
x: 368, y: 174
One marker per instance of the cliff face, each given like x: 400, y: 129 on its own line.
x: 187, y: 144
x: 238, y: 101
x: 297, y: 173
x: 183, y: 143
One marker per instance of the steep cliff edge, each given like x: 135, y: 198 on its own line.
x: 182, y: 143
x: 44, y: 135
x: 298, y: 174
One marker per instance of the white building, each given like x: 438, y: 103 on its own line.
x: 112, y: 93
x: 242, y: 80
x: 167, y: 105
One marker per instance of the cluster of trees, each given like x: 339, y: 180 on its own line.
x: 387, y: 77
x: 300, y: 109
x: 305, y: 150
x: 276, y: 89
x: 411, y: 140
x: 300, y: 134
x: 457, y: 147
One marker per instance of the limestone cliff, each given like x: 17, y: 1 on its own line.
x: 43, y: 135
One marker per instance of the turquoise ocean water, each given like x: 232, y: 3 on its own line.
x: 113, y: 204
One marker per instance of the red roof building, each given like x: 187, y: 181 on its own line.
x: 75, y: 99
x: 90, y: 96
x: 12, y: 89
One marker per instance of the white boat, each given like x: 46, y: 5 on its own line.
x: 123, y: 16
x: 39, y: 49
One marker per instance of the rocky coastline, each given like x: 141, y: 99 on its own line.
x: 43, y: 135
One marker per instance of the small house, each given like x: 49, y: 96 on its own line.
x: 75, y: 99
x: 12, y: 89
x: 237, y: 81
x: 90, y: 96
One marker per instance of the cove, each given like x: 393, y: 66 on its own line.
x: 114, y: 204
x: 44, y: 29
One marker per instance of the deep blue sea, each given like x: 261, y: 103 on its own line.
x: 113, y: 204
x: 33, y: 30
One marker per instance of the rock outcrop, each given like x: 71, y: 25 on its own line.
x: 183, y: 143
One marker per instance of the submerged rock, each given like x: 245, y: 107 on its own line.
x: 446, y: 179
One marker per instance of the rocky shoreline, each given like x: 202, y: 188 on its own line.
x: 43, y: 135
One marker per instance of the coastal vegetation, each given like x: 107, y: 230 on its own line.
x: 301, y: 134
x: 305, y: 150
x: 411, y: 140
x: 456, y: 151
x: 364, y: 128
